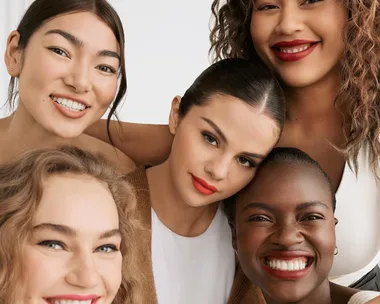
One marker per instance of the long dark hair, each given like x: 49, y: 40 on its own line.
x: 41, y: 11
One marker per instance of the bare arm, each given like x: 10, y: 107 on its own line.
x: 143, y: 143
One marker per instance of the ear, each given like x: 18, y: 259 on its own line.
x: 336, y: 221
x: 174, y: 115
x: 233, y: 230
x: 13, y: 54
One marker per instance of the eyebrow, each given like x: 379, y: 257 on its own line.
x: 68, y: 231
x: 223, y: 137
x: 299, y: 207
x: 79, y: 43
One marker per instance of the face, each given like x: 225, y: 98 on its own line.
x: 68, y: 73
x: 74, y: 249
x: 217, y: 147
x: 301, y: 40
x: 285, y: 235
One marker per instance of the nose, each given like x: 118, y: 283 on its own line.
x: 287, y: 235
x: 83, y: 273
x: 290, y: 21
x: 218, y: 168
x: 79, y: 78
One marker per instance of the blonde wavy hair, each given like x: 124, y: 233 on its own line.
x: 21, y: 189
x: 230, y: 37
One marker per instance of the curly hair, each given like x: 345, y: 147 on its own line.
x: 359, y: 93
x: 21, y: 189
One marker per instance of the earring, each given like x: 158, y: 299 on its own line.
x: 336, y: 251
x: 236, y: 252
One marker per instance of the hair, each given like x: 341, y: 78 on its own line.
x: 42, y: 11
x: 21, y: 190
x: 230, y: 38
x: 290, y: 156
x: 250, y: 82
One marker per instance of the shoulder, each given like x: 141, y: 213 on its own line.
x: 121, y: 161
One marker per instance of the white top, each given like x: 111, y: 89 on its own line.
x: 358, y: 230
x: 363, y: 297
x: 189, y: 270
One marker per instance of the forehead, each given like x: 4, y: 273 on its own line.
x: 287, y: 185
x: 245, y: 127
x: 86, y: 26
x: 77, y: 201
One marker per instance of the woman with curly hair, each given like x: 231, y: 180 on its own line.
x: 67, y: 231
x: 326, y: 56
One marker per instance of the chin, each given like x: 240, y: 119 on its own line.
x: 286, y: 294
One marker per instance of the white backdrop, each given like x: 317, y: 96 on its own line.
x: 166, y: 48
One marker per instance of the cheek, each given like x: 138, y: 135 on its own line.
x: 239, y: 178
x: 111, y: 273
x: 106, y: 90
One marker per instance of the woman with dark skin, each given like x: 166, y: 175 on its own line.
x: 284, y: 232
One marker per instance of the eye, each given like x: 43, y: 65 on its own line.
x: 266, y: 7
x: 106, y: 69
x: 245, y: 162
x: 55, y: 245
x: 59, y: 51
x: 209, y: 139
x: 259, y: 218
x: 107, y: 248
x: 311, y: 1
x: 312, y: 217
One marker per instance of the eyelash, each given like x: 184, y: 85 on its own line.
x: 258, y: 218
x: 209, y: 138
x: 60, y: 52
x: 48, y: 243
x: 314, y: 216
x: 272, y: 6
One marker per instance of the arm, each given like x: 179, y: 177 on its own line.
x: 143, y: 143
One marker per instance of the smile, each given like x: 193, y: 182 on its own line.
x: 295, y: 264
x: 289, y: 52
x: 202, y: 186
x: 293, y: 50
x: 69, y: 104
x: 73, y: 300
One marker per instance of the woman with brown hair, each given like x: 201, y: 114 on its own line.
x: 326, y: 56
x: 67, y: 231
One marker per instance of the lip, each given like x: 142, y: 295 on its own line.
x: 94, y: 298
x: 291, y: 57
x: 288, y: 255
x: 66, y: 112
x: 202, y: 186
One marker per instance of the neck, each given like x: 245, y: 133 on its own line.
x: 321, y: 295
x: 170, y: 208
x: 23, y: 133
x: 315, y: 102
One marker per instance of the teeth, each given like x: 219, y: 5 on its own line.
x: 70, y: 302
x: 72, y: 106
x: 295, y: 49
x: 289, y: 265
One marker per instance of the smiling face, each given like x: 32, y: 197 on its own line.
x: 217, y: 147
x: 285, y: 231
x: 68, y: 72
x: 73, y: 252
x: 301, y: 40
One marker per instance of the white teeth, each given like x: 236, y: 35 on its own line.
x: 295, y: 49
x: 71, y: 302
x: 289, y: 265
x: 72, y: 106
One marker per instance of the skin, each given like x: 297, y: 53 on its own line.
x: 275, y: 214
x: 75, y: 242
x: 54, y: 64
x: 221, y: 142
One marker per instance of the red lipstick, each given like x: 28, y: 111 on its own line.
x: 287, y: 50
x: 202, y: 186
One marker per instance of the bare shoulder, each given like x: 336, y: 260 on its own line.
x: 121, y: 161
x: 341, y: 294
